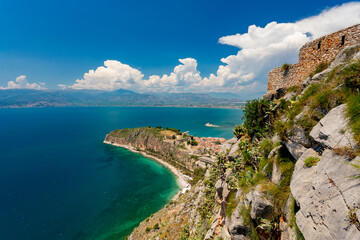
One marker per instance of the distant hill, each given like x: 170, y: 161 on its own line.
x: 57, y: 98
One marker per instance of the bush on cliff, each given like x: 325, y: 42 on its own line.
x: 257, y: 117
x: 354, y: 115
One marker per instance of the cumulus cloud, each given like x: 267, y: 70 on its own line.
x: 260, y: 50
x: 263, y: 48
x: 22, y: 83
x: 113, y: 75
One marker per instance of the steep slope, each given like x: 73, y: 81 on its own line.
x: 291, y: 171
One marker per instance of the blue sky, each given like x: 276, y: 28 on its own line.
x: 57, y: 42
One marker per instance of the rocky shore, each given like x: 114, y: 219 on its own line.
x: 291, y: 172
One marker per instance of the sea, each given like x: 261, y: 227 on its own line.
x: 58, y: 180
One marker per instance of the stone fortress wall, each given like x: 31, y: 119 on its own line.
x: 313, y: 53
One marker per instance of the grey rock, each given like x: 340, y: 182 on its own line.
x: 297, y: 135
x: 273, y: 152
x: 225, y: 147
x: 239, y: 194
x: 306, y: 82
x: 321, y: 75
x: 287, y: 233
x: 295, y: 149
x: 236, y: 227
x: 226, y: 191
x: 234, y: 151
x: 276, y: 174
x: 225, y: 234
x: 344, y: 55
x: 302, y: 176
x: 356, y: 57
x: 260, y: 206
x: 276, y: 138
x: 287, y: 212
x: 289, y: 96
x: 325, y: 192
x: 232, y: 140
x: 219, y: 186
x: 248, y: 198
x: 210, y: 232
x: 303, y: 113
x: 332, y: 131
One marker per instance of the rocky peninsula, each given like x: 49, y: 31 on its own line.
x: 292, y: 170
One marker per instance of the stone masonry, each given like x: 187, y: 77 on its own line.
x: 313, y: 53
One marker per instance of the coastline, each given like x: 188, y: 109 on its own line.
x: 183, y: 184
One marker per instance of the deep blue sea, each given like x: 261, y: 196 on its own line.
x: 59, y: 181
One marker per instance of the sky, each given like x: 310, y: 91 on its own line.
x: 159, y: 46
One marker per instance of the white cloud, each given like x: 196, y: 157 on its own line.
x: 114, y: 75
x: 22, y: 83
x: 261, y: 49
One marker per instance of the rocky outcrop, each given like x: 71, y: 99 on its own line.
x: 235, y: 227
x: 295, y: 149
x: 276, y: 173
x: 332, y: 131
x: 297, y: 135
x: 234, y: 151
x: 261, y: 207
x: 148, y: 140
x: 326, y: 194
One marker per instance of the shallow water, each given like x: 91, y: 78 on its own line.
x: 59, y: 181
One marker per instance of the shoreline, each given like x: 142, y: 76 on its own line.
x: 183, y: 184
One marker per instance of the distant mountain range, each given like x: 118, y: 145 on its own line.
x: 12, y: 98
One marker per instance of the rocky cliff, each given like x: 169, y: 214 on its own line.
x: 157, y: 142
x: 291, y: 171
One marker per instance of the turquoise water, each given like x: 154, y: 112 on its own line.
x: 59, y: 181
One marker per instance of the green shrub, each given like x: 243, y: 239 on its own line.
x: 294, y: 88
x: 194, y: 142
x: 285, y: 67
x: 147, y: 229
x: 351, y: 76
x: 257, y: 116
x: 353, y: 112
x: 319, y: 68
x: 266, y: 146
x: 231, y: 203
x: 156, y: 226
x: 294, y: 110
x: 185, y: 233
x: 198, y: 175
x: 307, y: 123
x: 280, y: 128
x: 311, y: 161
x: 310, y: 91
x: 239, y: 130
x: 323, y: 99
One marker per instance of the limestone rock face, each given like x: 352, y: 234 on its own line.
x: 289, y: 96
x: 232, y: 140
x: 319, y: 76
x: 326, y: 193
x: 276, y: 174
x: 234, y: 151
x: 297, y: 135
x: 260, y: 206
x: 273, y: 152
x: 235, y: 226
x: 344, y: 55
x: 225, y: 147
x: 295, y: 149
x: 332, y: 131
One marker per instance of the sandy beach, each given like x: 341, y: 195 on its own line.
x: 184, y: 185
